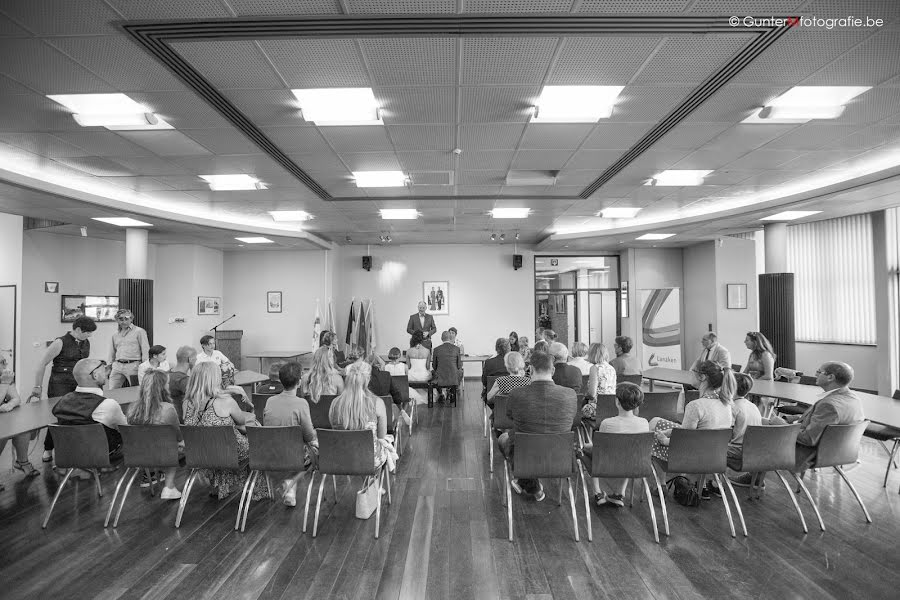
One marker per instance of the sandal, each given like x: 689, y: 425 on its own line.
x: 27, y: 468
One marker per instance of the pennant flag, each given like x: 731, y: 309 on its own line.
x: 363, y: 334
x: 351, y: 321
x: 370, y: 327
x: 330, y: 322
x: 317, y: 328
x: 354, y: 334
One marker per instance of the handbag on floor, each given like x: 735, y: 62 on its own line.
x: 366, y: 499
x: 684, y: 492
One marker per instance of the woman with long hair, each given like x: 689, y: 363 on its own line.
x: 601, y: 379
x: 323, y: 378
x: 761, y: 362
x: 513, y: 341
x: 206, y: 404
x: 154, y: 407
x: 524, y: 350
x: 357, y: 408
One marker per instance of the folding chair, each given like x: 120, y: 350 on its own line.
x: 206, y: 448
x: 271, y: 449
x: 78, y: 447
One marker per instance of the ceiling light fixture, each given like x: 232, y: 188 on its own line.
x: 380, y: 178
x: 791, y: 215
x: 517, y: 236
x: 290, y: 215
x: 234, y: 182
x: 676, y: 177
x: 655, y: 236
x: 339, y: 106
x: 399, y: 213
x: 254, y: 240
x: 122, y: 221
x: 502, y: 237
x: 804, y: 103
x: 619, y: 212
x: 114, y: 111
x: 510, y: 213
x: 575, y: 103
x: 493, y: 237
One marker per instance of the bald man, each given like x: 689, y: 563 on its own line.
x: 422, y: 321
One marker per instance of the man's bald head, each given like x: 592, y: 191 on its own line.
x: 87, y: 374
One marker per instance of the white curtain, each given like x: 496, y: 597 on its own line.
x: 834, y: 278
x: 892, y: 235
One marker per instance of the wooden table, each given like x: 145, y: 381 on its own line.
x: 883, y: 410
x: 277, y: 355
x: 243, y: 378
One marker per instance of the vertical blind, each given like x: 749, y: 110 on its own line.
x: 892, y: 235
x: 834, y: 278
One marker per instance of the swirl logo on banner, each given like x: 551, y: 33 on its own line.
x: 661, y: 328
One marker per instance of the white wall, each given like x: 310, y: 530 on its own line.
x: 736, y: 263
x: 863, y: 359
x: 11, y: 274
x: 700, y: 291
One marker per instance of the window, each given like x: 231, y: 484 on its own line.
x: 834, y: 278
x: 892, y: 235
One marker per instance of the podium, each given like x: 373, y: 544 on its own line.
x: 228, y: 342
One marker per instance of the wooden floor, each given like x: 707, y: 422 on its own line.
x: 445, y: 537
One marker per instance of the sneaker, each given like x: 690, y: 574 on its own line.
x: 540, y: 495
x: 713, y: 489
x: 745, y: 480
x: 169, y: 494
x: 516, y: 486
x: 705, y: 494
x: 47, y: 456
x: 290, y: 497
x: 615, y: 500
x: 146, y: 481
x: 600, y: 499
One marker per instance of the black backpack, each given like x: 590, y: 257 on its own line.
x: 684, y: 492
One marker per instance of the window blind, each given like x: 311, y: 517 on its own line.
x: 892, y: 235
x: 834, y: 280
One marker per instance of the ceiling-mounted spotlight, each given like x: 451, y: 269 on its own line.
x: 84, y: 232
x: 517, y: 235
x: 502, y: 237
x: 348, y: 239
x: 388, y: 238
x: 493, y: 237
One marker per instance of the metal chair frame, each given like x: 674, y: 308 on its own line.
x: 92, y: 442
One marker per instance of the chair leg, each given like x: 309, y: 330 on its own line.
x: 97, y: 481
x: 319, y: 503
x: 188, y: 484
x: 572, y: 506
x: 652, y: 509
x: 855, y: 493
x: 793, y: 498
x: 491, y: 453
x: 662, y: 502
x: 115, y: 497
x: 334, y: 486
x: 387, y: 478
x: 587, y: 502
x: 891, y: 459
x: 152, y: 483
x: 247, y: 502
x: 727, y: 507
x: 125, y: 496
x: 240, y: 510
x: 379, y: 479
x: 484, y: 419
x: 271, y: 490
x: 737, y: 505
x: 802, y: 486
x: 631, y: 501
x: 509, y: 518
x: 56, y: 497
x: 312, y: 482
x: 559, y: 498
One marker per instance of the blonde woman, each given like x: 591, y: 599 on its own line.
x: 357, y: 408
x: 154, y: 407
x: 323, y: 378
x: 601, y: 380
x: 208, y: 405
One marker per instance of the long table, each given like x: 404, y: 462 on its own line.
x: 277, y: 355
x: 883, y: 410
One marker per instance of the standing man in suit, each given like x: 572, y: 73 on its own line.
x: 421, y: 321
x: 540, y: 407
x: 712, y: 351
x: 564, y: 374
x: 446, y: 364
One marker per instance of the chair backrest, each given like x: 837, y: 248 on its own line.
x: 584, y: 384
x: 621, y: 454
x: 501, y: 420
x: 698, y: 450
x: 770, y: 448
x: 346, y: 452
x: 660, y: 404
x: 276, y: 448
x: 402, y: 382
x: 210, y: 447
x: 259, y: 405
x: 544, y: 455
x: 149, y: 445
x: 807, y: 380
x: 489, y: 382
x: 896, y: 395
x: 635, y: 379
x: 318, y: 411
x: 80, y: 446
x: 389, y: 412
x: 839, y: 444
x: 580, y: 401
x: 736, y: 368
x: 606, y: 407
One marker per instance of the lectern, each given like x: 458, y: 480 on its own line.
x: 228, y: 342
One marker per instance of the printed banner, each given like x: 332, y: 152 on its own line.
x: 661, y: 328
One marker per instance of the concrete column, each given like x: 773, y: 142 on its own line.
x: 776, y: 247
x: 136, y: 264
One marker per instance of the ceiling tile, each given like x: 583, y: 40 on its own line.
x: 317, y: 63
x: 165, y: 143
x: 648, y: 103
x: 595, y: 160
x: 519, y: 6
x: 601, y: 60
x: 631, y: 6
x: 101, y: 143
x: 371, y: 161
x: 138, y: 184
x: 487, y: 160
x: 57, y: 74
x: 298, y: 139
x: 95, y: 165
x: 815, y: 135
x: 541, y: 159
x: 864, y: 64
x: 42, y: 144
x: 150, y: 165
x: 399, y: 7
x: 181, y: 110
x: 505, y: 60
x: 426, y: 161
x: 411, y: 61
x: 692, y: 135
x: 482, y: 178
x: 363, y: 138
x: 732, y: 103
x: 708, y: 54
x: 253, y: 164
x: 555, y: 136
x: 490, y: 137
x: 223, y: 141
x: 497, y: 104
x: 254, y: 8
x: 230, y: 64
x: 170, y: 9
x: 411, y: 138
x: 62, y: 17
x: 11, y: 87
x: 616, y: 136
x: 417, y: 105
x: 320, y: 162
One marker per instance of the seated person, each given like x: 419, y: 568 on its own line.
x: 516, y: 378
x: 156, y: 360
x: 87, y: 405
x: 446, y: 365
x: 329, y: 339
x: 394, y: 366
x: 524, y: 350
x: 577, y: 358
x: 287, y: 409
x: 186, y: 356
x: 838, y: 405
x: 629, y: 397
x: 9, y: 399
x: 624, y: 363
x: 273, y: 384
x: 154, y: 407
x: 418, y: 365
x: 495, y: 366
x: 381, y: 383
x: 210, y: 354
x: 564, y: 374
x: 746, y: 414
x: 323, y: 378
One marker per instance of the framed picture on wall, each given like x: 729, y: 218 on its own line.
x: 736, y: 295
x: 51, y: 287
x: 208, y: 305
x: 273, y: 302
x: 436, y: 296
x: 99, y: 308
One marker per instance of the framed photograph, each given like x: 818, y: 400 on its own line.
x: 436, y: 296
x: 737, y: 295
x: 208, y: 305
x: 51, y: 287
x: 273, y: 302
x: 99, y: 308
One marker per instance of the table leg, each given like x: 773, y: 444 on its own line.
x: 651, y: 384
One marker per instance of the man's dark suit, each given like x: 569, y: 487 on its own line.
x: 446, y: 363
x: 415, y: 324
x: 567, y: 376
x: 492, y: 367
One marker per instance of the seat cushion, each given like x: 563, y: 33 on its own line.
x: 882, y: 432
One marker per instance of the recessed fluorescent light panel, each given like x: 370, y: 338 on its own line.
x: 339, y: 106
x: 399, y: 213
x: 806, y: 102
x: 791, y: 215
x: 254, y: 240
x: 238, y: 181
x: 655, y: 236
x: 510, y: 213
x: 619, y: 212
x: 575, y: 103
x: 117, y: 112
x: 380, y: 178
x: 679, y: 178
x: 122, y: 221
x: 290, y: 215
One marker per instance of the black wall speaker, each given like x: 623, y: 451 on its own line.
x: 517, y: 261
x: 367, y: 263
